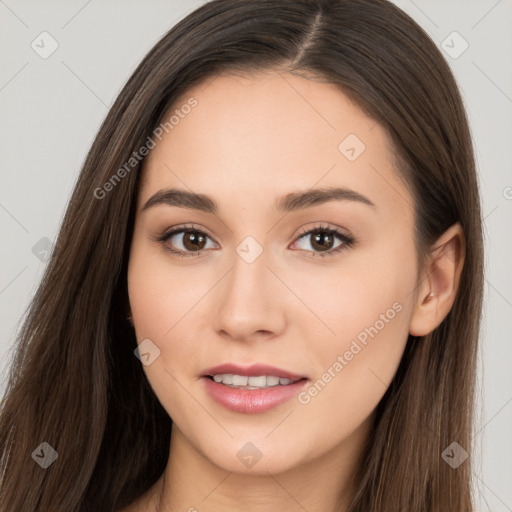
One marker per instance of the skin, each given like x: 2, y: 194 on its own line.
x: 249, y: 141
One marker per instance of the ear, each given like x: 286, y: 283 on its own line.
x: 440, y: 281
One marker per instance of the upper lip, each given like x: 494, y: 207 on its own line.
x: 254, y: 370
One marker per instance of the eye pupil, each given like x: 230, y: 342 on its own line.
x: 326, y: 237
x: 195, y: 239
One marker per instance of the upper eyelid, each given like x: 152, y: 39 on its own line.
x: 178, y: 229
x: 337, y: 230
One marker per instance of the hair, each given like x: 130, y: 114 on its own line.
x: 74, y: 381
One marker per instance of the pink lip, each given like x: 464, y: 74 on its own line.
x: 251, y: 401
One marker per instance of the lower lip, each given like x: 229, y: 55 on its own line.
x: 251, y: 401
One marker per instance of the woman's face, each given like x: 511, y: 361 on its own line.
x: 243, y: 176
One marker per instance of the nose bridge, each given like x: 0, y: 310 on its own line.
x: 247, y: 302
x: 248, y: 279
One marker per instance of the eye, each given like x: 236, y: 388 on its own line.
x: 194, y: 241
x: 322, y: 240
x: 188, y: 239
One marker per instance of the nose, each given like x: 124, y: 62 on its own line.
x: 251, y: 302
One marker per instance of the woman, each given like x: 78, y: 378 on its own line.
x: 266, y: 291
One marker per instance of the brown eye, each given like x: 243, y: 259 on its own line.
x: 193, y: 240
x: 322, y: 241
x: 185, y: 242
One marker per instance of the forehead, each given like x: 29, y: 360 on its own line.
x: 268, y: 134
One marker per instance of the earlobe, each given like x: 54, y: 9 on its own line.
x: 440, y: 282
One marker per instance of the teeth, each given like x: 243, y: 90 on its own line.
x: 257, y: 381
x: 272, y: 381
x: 240, y: 380
x: 262, y: 381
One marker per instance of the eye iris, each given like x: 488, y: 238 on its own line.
x: 195, y: 239
x: 319, y: 236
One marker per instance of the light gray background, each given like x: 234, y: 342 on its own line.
x: 52, y: 108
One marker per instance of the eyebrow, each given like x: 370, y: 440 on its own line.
x: 288, y: 203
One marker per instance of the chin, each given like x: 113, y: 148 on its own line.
x: 254, y: 458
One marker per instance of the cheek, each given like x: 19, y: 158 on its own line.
x: 159, y: 292
x: 163, y: 301
x: 368, y: 309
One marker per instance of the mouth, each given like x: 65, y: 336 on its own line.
x: 253, y: 389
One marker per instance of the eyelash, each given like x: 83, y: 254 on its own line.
x: 348, y: 241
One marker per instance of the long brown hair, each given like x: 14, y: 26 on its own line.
x: 75, y: 383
